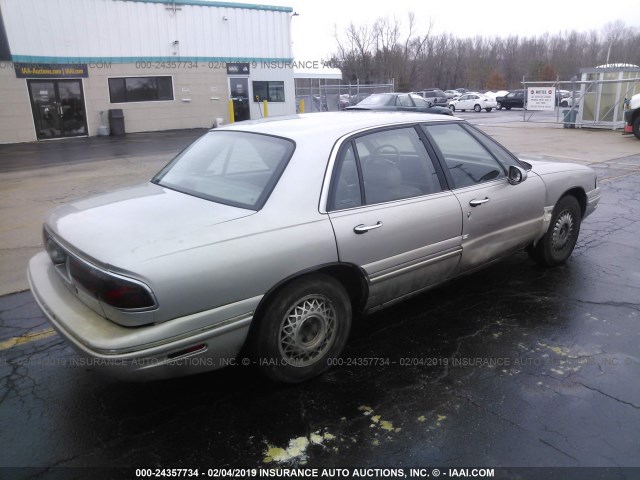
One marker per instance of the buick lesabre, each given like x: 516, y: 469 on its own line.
x: 269, y: 236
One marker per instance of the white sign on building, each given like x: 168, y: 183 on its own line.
x: 541, y: 98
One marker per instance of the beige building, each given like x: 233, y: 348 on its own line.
x: 155, y: 64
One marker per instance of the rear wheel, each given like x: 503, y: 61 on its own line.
x: 508, y: 108
x: 636, y: 127
x: 477, y: 108
x: 559, y: 241
x: 305, y: 325
x: 488, y: 109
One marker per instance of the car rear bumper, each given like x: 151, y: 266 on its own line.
x: 195, y: 343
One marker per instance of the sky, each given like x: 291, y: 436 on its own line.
x: 313, y: 29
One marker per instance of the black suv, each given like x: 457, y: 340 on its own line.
x: 434, y: 96
x: 511, y: 99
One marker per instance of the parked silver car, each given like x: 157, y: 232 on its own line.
x: 270, y: 235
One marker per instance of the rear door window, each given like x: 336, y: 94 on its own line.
x: 390, y: 165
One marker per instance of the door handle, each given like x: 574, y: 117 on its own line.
x: 365, y: 228
x: 476, y: 202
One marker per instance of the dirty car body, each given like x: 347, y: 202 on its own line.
x: 269, y: 236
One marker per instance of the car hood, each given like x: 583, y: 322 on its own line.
x: 137, y: 223
x: 544, y: 167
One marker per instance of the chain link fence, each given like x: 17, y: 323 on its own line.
x: 597, y: 100
x: 321, y: 96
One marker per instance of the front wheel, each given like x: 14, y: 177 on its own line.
x: 499, y: 106
x: 477, y: 108
x: 452, y: 107
x: 303, y: 327
x: 559, y: 241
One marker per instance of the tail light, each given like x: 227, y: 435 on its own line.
x: 124, y: 294
x: 113, y: 290
x: 57, y: 254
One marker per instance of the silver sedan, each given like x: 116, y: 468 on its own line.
x: 270, y: 236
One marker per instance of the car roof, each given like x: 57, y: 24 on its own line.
x: 334, y: 124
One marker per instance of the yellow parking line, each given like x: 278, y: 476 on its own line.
x: 29, y: 337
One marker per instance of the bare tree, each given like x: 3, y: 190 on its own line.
x: 418, y: 60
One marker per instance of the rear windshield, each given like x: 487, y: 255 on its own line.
x: 234, y: 168
x: 375, y: 99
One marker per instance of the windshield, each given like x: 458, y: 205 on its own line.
x: 375, y: 99
x: 234, y: 168
x: 419, y: 101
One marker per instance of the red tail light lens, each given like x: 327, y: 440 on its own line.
x: 120, y: 293
x: 85, y: 276
x: 114, y: 291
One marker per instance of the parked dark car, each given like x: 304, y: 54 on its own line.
x: 347, y: 100
x: 511, y: 100
x: 434, y: 96
x: 403, y: 102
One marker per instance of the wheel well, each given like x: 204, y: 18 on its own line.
x: 579, y: 195
x: 349, y: 276
x: 353, y: 280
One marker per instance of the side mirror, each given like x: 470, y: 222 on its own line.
x: 516, y: 175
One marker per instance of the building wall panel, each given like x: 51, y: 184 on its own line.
x: 122, y: 29
x: 16, y: 120
x: 123, y: 38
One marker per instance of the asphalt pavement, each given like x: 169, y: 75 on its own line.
x: 18, y: 157
x: 514, y: 366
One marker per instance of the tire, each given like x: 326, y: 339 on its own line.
x: 477, y: 108
x: 488, y: 109
x: 564, y: 104
x: 636, y: 127
x: 452, y: 107
x: 305, y: 325
x: 508, y: 108
x: 499, y: 106
x: 556, y: 245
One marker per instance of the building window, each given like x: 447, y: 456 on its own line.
x: 140, y: 89
x: 270, y: 91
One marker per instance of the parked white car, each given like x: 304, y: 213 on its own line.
x: 494, y: 95
x: 473, y: 101
x: 567, y: 99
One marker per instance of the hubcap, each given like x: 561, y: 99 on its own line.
x: 562, y: 231
x: 307, y: 331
